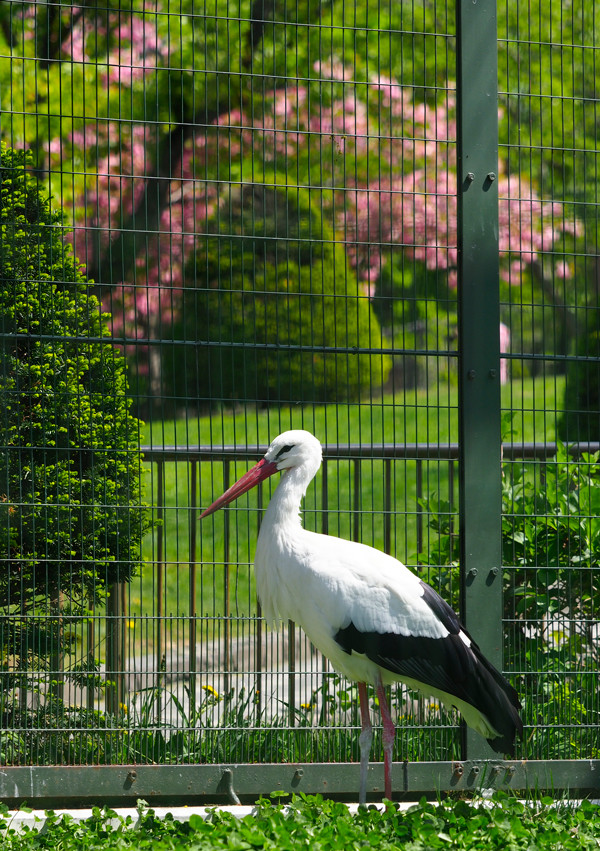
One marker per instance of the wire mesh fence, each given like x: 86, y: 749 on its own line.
x: 549, y: 527
x: 258, y: 220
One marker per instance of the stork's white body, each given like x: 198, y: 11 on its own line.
x: 374, y: 619
x: 323, y: 583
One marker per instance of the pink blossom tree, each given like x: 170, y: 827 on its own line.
x: 382, y: 163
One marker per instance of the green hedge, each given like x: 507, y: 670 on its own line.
x: 71, y: 520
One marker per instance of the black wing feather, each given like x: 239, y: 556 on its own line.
x: 441, y: 609
x: 445, y: 664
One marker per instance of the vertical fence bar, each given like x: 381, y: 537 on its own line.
x: 160, y: 570
x: 57, y: 658
x: 324, y: 500
x: 91, y: 638
x: 325, y: 531
x: 479, y: 333
x: 356, y: 501
x: 23, y: 686
x: 451, y: 478
x: 226, y: 578
x: 114, y: 659
x: 387, y: 511
x: 419, y: 486
x: 192, y: 586
x: 258, y: 647
x: 292, y: 673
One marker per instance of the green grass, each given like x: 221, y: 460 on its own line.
x: 534, y: 404
x: 417, y: 416
x: 312, y: 822
x: 419, y: 419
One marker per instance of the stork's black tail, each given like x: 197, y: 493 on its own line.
x: 498, y: 701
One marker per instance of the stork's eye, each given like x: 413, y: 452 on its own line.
x: 284, y: 449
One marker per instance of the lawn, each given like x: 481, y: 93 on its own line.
x: 417, y: 416
x: 311, y: 822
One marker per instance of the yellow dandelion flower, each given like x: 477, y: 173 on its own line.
x: 210, y: 690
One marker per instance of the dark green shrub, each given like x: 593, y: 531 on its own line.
x: 273, y: 300
x: 71, y: 520
x: 580, y: 421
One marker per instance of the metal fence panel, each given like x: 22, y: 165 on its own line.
x: 549, y: 281
x: 326, y: 216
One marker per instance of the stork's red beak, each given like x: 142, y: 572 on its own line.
x: 258, y: 473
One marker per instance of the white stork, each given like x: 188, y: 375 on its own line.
x: 366, y: 612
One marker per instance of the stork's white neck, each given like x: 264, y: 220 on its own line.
x: 283, y: 511
x: 280, y: 541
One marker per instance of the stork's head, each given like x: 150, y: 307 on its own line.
x: 291, y: 450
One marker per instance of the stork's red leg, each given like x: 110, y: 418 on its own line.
x: 366, y: 736
x: 389, y: 734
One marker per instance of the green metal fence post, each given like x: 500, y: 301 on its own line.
x: 479, y: 339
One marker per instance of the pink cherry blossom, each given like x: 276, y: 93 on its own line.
x: 388, y: 177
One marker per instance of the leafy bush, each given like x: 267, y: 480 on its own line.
x: 71, y: 520
x: 274, y: 299
x: 551, y: 547
x: 551, y: 558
